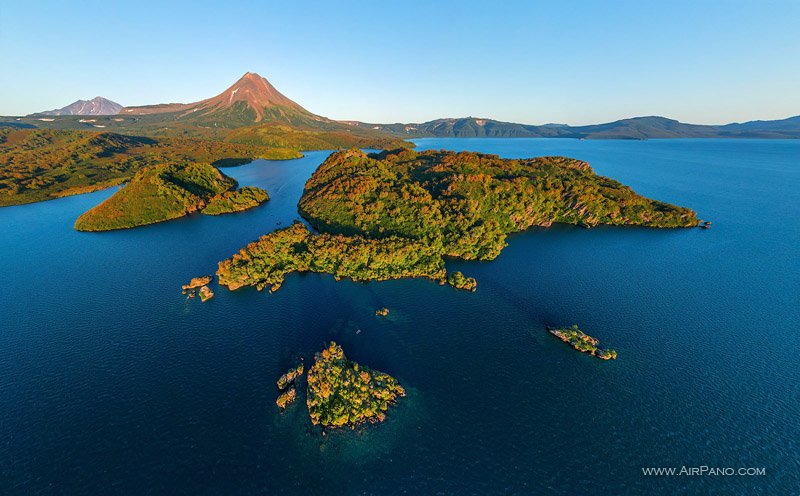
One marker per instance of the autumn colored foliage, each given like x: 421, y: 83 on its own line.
x: 398, y: 214
x: 345, y: 393
x: 164, y: 192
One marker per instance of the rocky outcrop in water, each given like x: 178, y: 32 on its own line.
x: 198, y: 286
x: 582, y: 342
x: 290, y: 376
x: 205, y: 294
x: 286, y: 398
x: 459, y: 281
x: 197, y: 282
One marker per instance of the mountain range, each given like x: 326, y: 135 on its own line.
x: 651, y: 127
x: 253, y: 101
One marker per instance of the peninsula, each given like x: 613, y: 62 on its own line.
x: 165, y: 192
x: 400, y: 213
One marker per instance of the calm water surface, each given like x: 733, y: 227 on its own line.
x: 112, y: 383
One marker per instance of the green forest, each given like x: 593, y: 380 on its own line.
x: 42, y: 164
x: 400, y: 213
x: 164, y: 192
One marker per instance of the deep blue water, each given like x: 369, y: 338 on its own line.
x: 112, y: 383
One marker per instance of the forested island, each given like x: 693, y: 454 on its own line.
x: 400, y: 213
x: 340, y: 392
x: 582, y: 342
x: 344, y: 393
x: 165, y: 192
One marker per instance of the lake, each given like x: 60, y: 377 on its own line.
x: 111, y: 382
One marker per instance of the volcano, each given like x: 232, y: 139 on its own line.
x: 96, y: 106
x: 250, y: 100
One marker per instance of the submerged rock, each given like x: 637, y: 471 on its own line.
x: 582, y: 342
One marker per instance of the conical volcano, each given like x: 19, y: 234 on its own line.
x: 252, y: 99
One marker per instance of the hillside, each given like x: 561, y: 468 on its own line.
x: 765, y: 129
x: 642, y: 128
x: 165, y: 192
x: 41, y: 164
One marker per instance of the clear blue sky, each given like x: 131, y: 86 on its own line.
x: 568, y: 61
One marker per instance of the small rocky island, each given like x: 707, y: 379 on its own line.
x: 382, y: 312
x: 399, y: 214
x: 287, y: 380
x: 205, y: 293
x: 286, y: 398
x: 344, y: 393
x: 582, y: 342
x: 196, y: 282
x: 290, y: 376
x: 198, y: 286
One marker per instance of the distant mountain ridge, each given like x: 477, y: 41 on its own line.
x: 252, y: 101
x: 96, y: 106
x: 650, y: 127
x: 791, y: 123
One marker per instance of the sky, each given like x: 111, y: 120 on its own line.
x: 535, y: 62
